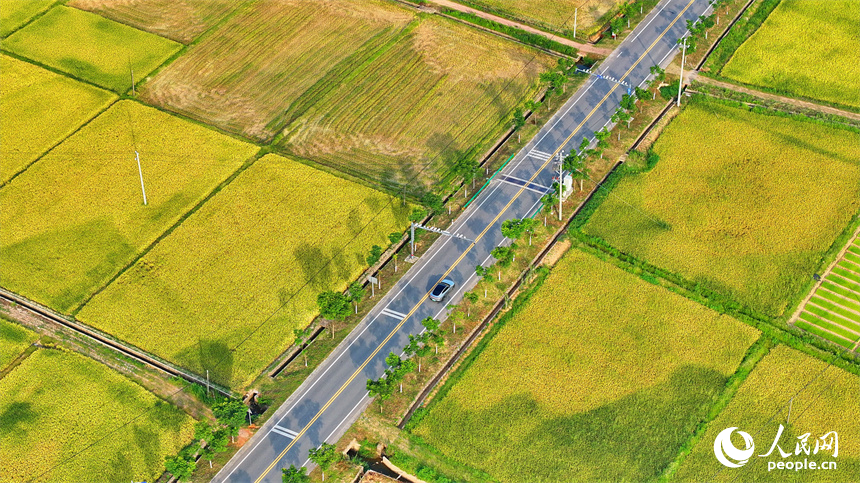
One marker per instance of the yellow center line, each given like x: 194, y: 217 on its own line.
x: 468, y: 249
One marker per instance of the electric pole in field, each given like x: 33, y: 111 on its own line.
x: 681, y: 78
x: 140, y: 172
x: 575, y: 11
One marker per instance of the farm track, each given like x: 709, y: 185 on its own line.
x: 127, y: 351
x: 586, y: 48
x: 773, y: 97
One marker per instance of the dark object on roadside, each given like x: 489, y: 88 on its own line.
x: 816, y: 277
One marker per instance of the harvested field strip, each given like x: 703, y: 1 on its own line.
x: 611, y: 400
x: 39, y: 108
x: 393, y: 121
x: 756, y: 246
x: 62, y: 243
x: 15, y: 13
x: 346, y: 70
x: 224, y: 291
x: 822, y: 399
x: 84, y: 402
x: 263, y: 66
x: 179, y: 20
x: 90, y: 47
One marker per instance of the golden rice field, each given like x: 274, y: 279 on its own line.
x: 14, y: 13
x: 804, y: 48
x: 829, y: 403
x: 601, y: 376
x: 38, y: 108
x: 246, y: 77
x: 14, y: 339
x: 553, y: 15
x: 744, y: 203
x: 255, y: 256
x: 75, y: 217
x: 440, y: 89
x: 91, y: 47
x: 179, y: 20
x: 58, y: 403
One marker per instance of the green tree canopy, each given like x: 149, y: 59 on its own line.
x: 294, y: 475
x: 333, y: 305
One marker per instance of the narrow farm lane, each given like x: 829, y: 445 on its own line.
x: 582, y: 47
x: 332, y: 398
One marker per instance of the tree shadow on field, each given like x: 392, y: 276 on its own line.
x: 17, y: 416
x: 444, y: 152
x: 496, y: 95
x: 630, y: 439
x: 216, y: 357
x: 817, y: 149
x: 316, y: 270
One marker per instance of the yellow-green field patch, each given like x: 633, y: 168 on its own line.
x: 76, y: 216
x: 37, y: 109
x: 828, y: 403
x: 441, y: 90
x: 13, y: 340
x: 806, y: 48
x: 179, y: 20
x: 744, y: 203
x: 14, y: 13
x: 58, y: 403
x: 91, y: 47
x: 264, y: 246
x: 599, y: 377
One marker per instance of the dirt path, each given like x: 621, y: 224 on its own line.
x: 585, y: 48
x: 773, y: 97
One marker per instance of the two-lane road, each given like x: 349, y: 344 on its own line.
x: 332, y: 398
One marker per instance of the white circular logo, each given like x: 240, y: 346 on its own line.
x: 724, y: 448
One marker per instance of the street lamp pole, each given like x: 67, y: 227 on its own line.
x: 560, y: 185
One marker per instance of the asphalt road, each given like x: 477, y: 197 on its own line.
x: 333, y: 397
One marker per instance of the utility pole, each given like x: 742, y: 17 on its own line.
x: 132, y: 81
x: 560, y: 185
x: 207, y: 382
x: 681, y: 78
x: 140, y: 171
x: 790, y: 403
x: 575, y: 12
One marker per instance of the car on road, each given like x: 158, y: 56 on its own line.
x: 441, y: 290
